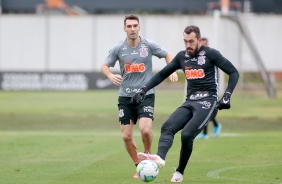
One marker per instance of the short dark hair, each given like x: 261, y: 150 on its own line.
x: 195, y: 29
x: 130, y: 17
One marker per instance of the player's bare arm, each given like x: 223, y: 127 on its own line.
x: 173, y: 77
x: 115, y: 78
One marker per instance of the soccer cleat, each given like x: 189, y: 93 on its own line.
x: 217, y: 130
x: 155, y: 158
x: 202, y: 136
x: 141, y: 158
x: 177, y: 177
x: 135, y: 175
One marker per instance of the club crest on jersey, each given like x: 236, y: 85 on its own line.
x: 143, y: 52
x: 201, y: 60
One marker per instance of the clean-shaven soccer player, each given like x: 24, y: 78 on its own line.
x: 200, y: 65
x: 134, y: 54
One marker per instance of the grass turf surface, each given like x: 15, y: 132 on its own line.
x: 74, y: 137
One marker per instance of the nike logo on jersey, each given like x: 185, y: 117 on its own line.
x: 123, y: 55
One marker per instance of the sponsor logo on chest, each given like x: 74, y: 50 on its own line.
x: 134, y: 52
x: 194, y: 74
x: 134, y: 67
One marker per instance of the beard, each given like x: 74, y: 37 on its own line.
x: 191, y: 52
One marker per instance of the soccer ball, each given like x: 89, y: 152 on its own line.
x: 147, y: 170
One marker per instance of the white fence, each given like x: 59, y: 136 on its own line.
x: 70, y: 43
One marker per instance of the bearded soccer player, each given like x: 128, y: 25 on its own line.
x: 200, y: 65
x: 135, y: 59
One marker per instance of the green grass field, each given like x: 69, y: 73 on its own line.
x: 74, y: 137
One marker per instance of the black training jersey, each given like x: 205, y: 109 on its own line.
x: 200, y: 71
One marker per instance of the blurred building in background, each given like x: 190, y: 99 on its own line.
x: 146, y: 6
x: 65, y: 52
x: 58, y: 7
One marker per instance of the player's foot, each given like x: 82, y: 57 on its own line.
x: 217, y: 130
x: 177, y: 177
x: 155, y: 158
x: 135, y: 175
x: 141, y: 158
x: 202, y: 136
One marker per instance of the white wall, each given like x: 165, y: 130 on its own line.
x: 60, y: 43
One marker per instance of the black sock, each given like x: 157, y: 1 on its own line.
x: 205, y: 131
x: 215, y: 122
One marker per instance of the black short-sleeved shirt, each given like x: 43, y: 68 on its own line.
x: 201, y: 71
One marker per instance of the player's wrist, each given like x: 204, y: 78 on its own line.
x: 227, y: 93
x: 144, y: 89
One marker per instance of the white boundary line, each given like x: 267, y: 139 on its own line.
x: 81, y: 132
x: 59, y: 133
x: 68, y: 133
x: 215, y: 174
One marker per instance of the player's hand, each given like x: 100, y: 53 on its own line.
x: 116, y: 79
x: 173, y: 77
x: 138, y: 97
x: 224, y: 103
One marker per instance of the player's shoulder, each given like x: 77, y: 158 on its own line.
x: 121, y: 45
x: 182, y: 53
x: 148, y: 42
x: 207, y: 51
x: 210, y: 50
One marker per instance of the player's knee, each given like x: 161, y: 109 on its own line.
x: 168, y: 129
x: 146, y: 131
x: 126, y: 137
x: 187, y: 136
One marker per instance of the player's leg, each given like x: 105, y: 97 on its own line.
x: 127, y: 119
x: 205, y: 130
x: 173, y: 124
x: 217, y: 128
x: 176, y: 121
x: 203, y: 134
x: 145, y: 127
x: 215, y: 122
x: 203, y: 111
x: 145, y: 113
x: 129, y: 143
